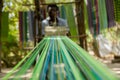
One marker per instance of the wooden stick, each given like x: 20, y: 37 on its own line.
x: 81, y: 26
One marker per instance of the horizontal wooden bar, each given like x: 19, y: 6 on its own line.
x: 53, y: 3
x: 61, y: 3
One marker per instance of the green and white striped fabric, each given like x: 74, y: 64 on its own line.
x: 60, y: 59
x: 71, y: 19
x: 67, y: 13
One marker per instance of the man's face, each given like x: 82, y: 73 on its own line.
x: 52, y: 12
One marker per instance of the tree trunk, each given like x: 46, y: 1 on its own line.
x: 1, y: 5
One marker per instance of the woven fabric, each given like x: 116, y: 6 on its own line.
x: 98, y: 16
x: 62, y: 12
x: 102, y: 14
x: 71, y: 19
x: 26, y: 27
x: 92, y: 9
x: 110, y: 13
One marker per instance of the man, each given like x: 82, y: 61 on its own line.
x: 53, y: 19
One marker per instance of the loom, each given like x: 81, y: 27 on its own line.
x: 60, y: 59
x: 56, y: 30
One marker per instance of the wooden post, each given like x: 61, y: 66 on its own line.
x: 80, y: 22
x: 37, y: 19
x: 43, y: 8
x: 1, y: 5
x: 34, y: 28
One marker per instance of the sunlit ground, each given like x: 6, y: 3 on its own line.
x: 115, y: 67
x: 25, y: 77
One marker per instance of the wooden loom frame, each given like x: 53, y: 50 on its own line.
x: 80, y: 23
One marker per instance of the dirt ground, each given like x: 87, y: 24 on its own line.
x: 114, y: 67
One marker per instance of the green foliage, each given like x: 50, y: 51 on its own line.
x: 11, y: 52
x: 17, y: 5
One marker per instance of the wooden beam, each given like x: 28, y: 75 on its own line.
x: 61, y: 3
x: 53, y: 3
x: 80, y: 36
x: 38, y: 19
x: 80, y: 23
x: 1, y: 6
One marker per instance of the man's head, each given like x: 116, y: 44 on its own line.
x: 52, y: 10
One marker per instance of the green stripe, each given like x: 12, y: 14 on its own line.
x: 38, y: 67
x: 22, y: 61
x: 102, y: 14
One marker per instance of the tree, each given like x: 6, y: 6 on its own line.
x: 11, y: 53
x: 1, y: 5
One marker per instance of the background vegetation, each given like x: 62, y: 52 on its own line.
x: 12, y: 53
